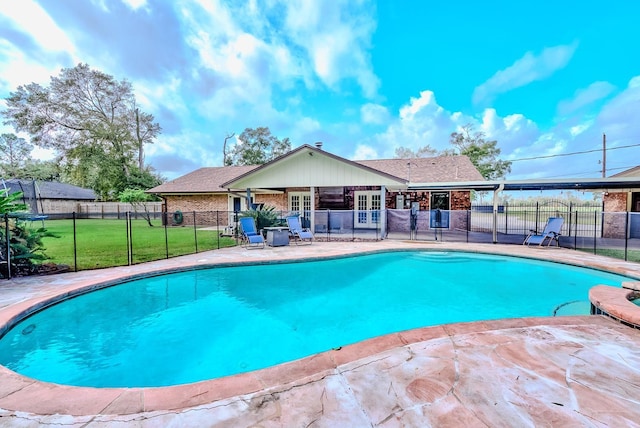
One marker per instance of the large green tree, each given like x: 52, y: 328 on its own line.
x: 15, y: 152
x: 484, y: 154
x: 92, y: 121
x: 422, y: 152
x: 40, y: 170
x: 256, y: 147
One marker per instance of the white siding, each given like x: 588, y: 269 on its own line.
x: 308, y: 168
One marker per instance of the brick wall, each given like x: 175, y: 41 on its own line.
x: 615, y: 202
x: 279, y: 201
x: 460, y: 200
x: 614, y: 222
x: 184, y: 203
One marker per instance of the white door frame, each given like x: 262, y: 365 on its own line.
x: 367, y: 209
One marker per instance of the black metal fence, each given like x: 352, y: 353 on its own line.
x: 89, y: 241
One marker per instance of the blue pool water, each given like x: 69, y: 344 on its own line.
x: 190, y: 326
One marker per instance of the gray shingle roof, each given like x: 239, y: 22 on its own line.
x: 50, y: 190
x: 438, y: 169
x: 203, y: 180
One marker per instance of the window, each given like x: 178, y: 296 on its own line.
x: 440, y: 201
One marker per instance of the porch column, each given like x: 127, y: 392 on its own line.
x: 312, y: 214
x: 249, y: 206
x: 383, y: 212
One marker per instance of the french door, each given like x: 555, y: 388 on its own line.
x: 367, y: 209
x: 300, y: 202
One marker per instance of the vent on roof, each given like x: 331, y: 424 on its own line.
x: 319, y: 145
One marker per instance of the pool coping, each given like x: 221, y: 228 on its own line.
x: 19, y: 393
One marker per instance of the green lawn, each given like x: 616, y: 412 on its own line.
x: 632, y: 255
x: 103, y: 243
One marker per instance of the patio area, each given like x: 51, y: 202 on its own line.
x: 547, y: 371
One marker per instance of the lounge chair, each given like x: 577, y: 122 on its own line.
x: 551, y: 232
x: 297, y: 232
x: 250, y: 235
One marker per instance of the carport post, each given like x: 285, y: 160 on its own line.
x: 383, y: 212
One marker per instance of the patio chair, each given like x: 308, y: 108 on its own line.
x: 250, y: 235
x: 299, y: 234
x: 551, y: 232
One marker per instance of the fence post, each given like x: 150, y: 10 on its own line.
x: 570, y: 214
x: 8, y: 242
x: 468, y: 223
x: 595, y: 230
x: 218, y: 227
x: 195, y: 231
x: 166, y: 237
x: 75, y: 245
x: 505, y: 210
x: 575, y: 233
x: 627, y: 232
x: 129, y: 239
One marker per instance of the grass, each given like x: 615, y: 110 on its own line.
x: 632, y: 255
x: 103, y: 243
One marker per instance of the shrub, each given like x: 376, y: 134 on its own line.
x: 25, y: 243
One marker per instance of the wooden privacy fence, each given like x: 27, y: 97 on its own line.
x: 120, y: 209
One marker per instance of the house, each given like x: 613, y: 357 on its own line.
x: 49, y: 196
x: 622, y: 201
x: 313, y: 182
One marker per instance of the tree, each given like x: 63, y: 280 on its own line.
x: 422, y: 152
x: 138, y: 199
x: 25, y: 243
x: 482, y: 153
x: 14, y: 152
x: 35, y: 169
x: 91, y: 120
x: 256, y: 147
x: 224, y: 148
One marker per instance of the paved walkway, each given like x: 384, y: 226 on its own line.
x: 564, y: 371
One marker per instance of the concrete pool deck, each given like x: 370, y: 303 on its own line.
x: 563, y: 371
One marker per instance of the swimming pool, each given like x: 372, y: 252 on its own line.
x: 203, y: 324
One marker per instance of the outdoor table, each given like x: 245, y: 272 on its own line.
x: 277, y: 236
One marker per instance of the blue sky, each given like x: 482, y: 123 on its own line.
x: 542, y: 78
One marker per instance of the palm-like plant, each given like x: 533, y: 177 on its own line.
x: 25, y: 244
x: 264, y: 217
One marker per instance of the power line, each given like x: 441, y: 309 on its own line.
x: 574, y: 174
x: 571, y: 154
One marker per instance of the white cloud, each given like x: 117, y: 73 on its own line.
x: 364, y: 152
x: 620, y: 115
x: 584, y: 97
x: 135, y: 4
x: 375, y: 114
x: 18, y: 66
x: 32, y: 19
x: 419, y: 123
x: 17, y: 69
x: 336, y: 37
x: 527, y: 69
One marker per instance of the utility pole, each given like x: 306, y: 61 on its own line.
x: 224, y: 148
x: 604, y: 155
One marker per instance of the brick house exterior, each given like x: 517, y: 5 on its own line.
x: 616, y: 206
x: 332, y: 182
